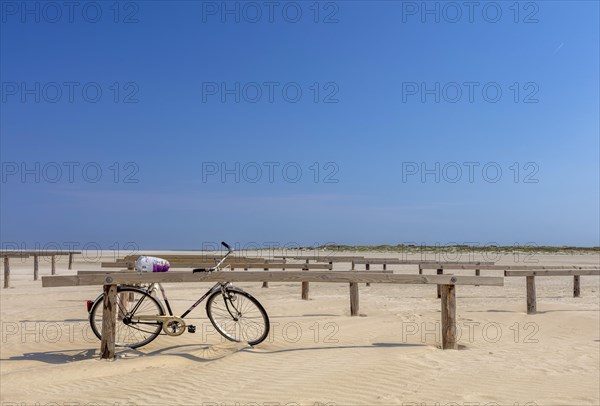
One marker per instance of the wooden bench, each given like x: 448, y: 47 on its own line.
x: 36, y: 266
x: 531, y: 274
x: 110, y: 281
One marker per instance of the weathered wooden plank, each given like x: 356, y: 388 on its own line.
x: 553, y: 272
x: 318, y: 258
x: 40, y: 252
x: 109, y: 320
x: 198, y: 258
x: 354, y: 305
x: 14, y: 255
x: 398, y: 261
x: 255, y: 265
x: 6, y: 272
x: 449, y: 340
x: 450, y: 265
x: 531, y: 298
x: 271, y: 276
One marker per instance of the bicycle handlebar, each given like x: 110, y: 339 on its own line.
x: 229, y: 251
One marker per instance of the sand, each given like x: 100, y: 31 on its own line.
x: 316, y: 354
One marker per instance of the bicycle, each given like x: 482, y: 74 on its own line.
x: 141, y: 317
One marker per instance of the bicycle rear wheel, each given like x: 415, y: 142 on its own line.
x: 127, y: 333
x: 238, y: 316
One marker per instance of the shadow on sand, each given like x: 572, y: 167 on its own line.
x: 192, y: 352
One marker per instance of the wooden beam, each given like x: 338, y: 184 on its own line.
x: 271, y: 276
x: 6, y: 273
x: 255, y: 265
x: 368, y: 268
x: 553, y: 272
x: 42, y: 253
x: 450, y: 265
x: 354, y: 306
x: 109, y: 320
x: 439, y: 289
x: 449, y: 317
x: 53, y: 260
x: 576, y: 286
x: 14, y: 255
x: 265, y: 283
x: 70, y: 260
x: 531, y: 299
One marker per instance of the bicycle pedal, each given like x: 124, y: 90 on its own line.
x: 191, y: 329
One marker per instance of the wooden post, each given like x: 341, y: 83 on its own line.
x: 6, y: 273
x: 385, y: 267
x: 420, y: 270
x: 36, y: 267
x: 448, y: 317
x: 70, y: 260
x: 305, y: 286
x: 352, y: 266
x: 439, y: 289
x: 531, y: 300
x: 53, y: 271
x: 265, y: 283
x: 368, y: 268
x: 107, y: 344
x: 576, y: 286
x: 353, y: 299
x: 477, y: 273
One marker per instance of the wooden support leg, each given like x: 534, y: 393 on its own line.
x: 368, y: 268
x: 265, y: 283
x: 439, y: 288
x: 353, y: 299
x: 6, y: 273
x: 576, y: 286
x: 305, y: 286
x: 36, y: 267
x: 385, y: 267
x: 420, y: 270
x: 109, y: 313
x: 352, y: 266
x: 531, y: 299
x: 477, y: 273
x: 53, y: 270
x: 448, y: 317
x: 70, y: 260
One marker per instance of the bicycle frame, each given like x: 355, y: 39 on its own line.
x: 218, y: 286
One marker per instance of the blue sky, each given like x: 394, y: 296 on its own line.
x: 139, y: 101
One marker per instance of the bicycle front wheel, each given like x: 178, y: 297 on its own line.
x: 130, y: 302
x: 238, y: 316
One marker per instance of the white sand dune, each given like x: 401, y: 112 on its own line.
x: 317, y: 354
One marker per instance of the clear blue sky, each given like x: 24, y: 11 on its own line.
x: 373, y: 128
